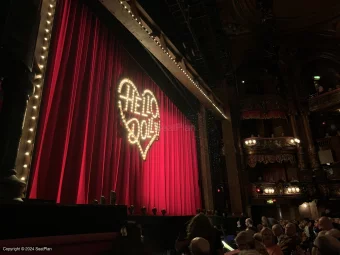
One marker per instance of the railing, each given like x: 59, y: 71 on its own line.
x: 324, y: 143
x: 325, y: 101
x: 272, y: 190
x: 255, y: 145
x: 331, y: 143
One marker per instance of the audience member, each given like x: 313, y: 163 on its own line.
x: 245, y: 242
x: 289, y: 241
x: 326, y: 245
x: 278, y: 232
x: 250, y: 227
x: 268, y: 241
x: 325, y: 224
x: 199, y: 246
x: 201, y: 226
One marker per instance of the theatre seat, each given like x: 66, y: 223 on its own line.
x: 97, y: 243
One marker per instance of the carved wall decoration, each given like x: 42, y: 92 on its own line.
x: 252, y: 160
x: 263, y: 107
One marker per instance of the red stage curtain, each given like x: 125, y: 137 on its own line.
x: 82, y: 150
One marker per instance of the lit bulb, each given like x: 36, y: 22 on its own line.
x: 246, y: 142
x: 34, y: 107
x: 22, y: 178
x: 31, y: 129
x: 27, y: 153
x: 36, y: 96
x: 41, y: 66
x: 42, y: 57
x: 289, y: 190
x: 38, y: 76
x: 45, y: 38
x: 266, y: 191
x: 297, y: 189
x: 48, y: 22
x: 38, y: 85
x: 51, y: 5
x: 29, y: 141
x: 254, y: 141
x: 49, y: 14
x: 47, y: 30
x: 44, y: 48
x: 25, y: 166
x: 33, y: 118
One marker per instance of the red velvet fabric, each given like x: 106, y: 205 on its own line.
x: 82, y: 151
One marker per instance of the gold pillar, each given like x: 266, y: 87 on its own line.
x: 300, y: 155
x: 312, y: 155
x: 232, y: 168
x: 205, y: 163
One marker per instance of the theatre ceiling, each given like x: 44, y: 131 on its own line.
x: 222, y: 38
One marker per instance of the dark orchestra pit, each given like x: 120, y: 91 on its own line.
x: 37, y: 220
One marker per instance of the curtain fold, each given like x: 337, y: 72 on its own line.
x: 82, y: 151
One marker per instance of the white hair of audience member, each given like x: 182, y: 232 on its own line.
x: 199, y: 246
x: 326, y: 245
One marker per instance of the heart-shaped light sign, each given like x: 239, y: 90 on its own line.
x: 139, y: 114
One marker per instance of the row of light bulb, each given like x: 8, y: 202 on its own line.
x: 250, y: 142
x: 269, y: 191
x: 295, y: 140
x: 172, y: 58
x: 292, y: 190
x: 38, y: 79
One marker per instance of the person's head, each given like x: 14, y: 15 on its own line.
x: 290, y: 229
x: 326, y: 245
x: 325, y: 223
x: 249, y: 222
x: 200, y: 226
x: 267, y: 237
x: 258, y: 237
x: 199, y: 246
x: 264, y: 221
x: 277, y: 230
x: 245, y: 241
x: 259, y: 227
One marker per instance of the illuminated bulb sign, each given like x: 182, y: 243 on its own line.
x: 139, y: 114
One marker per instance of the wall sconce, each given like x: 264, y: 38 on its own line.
x: 295, y: 141
x: 269, y: 191
x: 250, y: 142
x: 293, y: 190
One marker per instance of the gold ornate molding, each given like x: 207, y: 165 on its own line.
x: 280, y: 145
